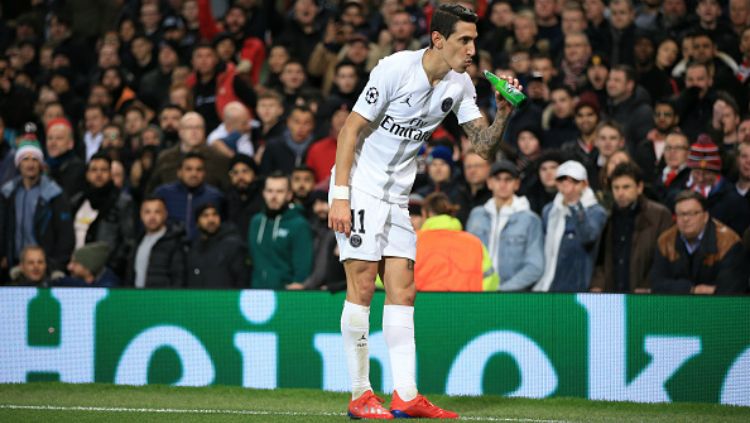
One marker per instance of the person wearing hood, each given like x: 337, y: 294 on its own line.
x: 104, y: 213
x: 572, y: 223
x: 449, y: 259
x: 34, y: 210
x: 290, y: 149
x: 218, y: 256
x: 629, y: 105
x: 510, y: 230
x: 245, y: 196
x: 280, y: 239
x: 88, y: 268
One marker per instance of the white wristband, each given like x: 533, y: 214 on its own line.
x: 340, y: 192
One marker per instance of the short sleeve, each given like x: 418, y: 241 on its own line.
x: 378, y: 92
x: 466, y: 110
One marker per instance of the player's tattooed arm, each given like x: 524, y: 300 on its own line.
x: 485, y: 139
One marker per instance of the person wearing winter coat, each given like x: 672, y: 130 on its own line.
x: 280, y: 238
x: 34, y: 210
x: 510, y: 230
x: 573, y: 222
x: 218, y: 255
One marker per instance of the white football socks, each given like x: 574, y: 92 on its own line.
x: 355, y: 331
x: 398, y: 329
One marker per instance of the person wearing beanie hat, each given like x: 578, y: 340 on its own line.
x: 87, y: 268
x: 26, y: 201
x: 724, y: 202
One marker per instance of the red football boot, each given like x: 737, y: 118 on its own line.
x: 368, y: 406
x: 419, y: 407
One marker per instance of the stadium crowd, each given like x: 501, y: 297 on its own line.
x: 189, y: 143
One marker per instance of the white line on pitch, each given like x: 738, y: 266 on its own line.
x: 227, y: 411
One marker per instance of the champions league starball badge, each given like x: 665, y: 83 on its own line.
x: 355, y: 240
x: 372, y: 95
x: 447, y: 104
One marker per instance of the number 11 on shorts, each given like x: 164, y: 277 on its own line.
x: 361, y: 214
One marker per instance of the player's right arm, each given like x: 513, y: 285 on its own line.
x: 340, y: 215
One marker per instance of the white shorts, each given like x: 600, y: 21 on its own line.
x: 379, y: 229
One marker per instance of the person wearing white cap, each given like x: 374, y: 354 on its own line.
x: 34, y: 211
x: 573, y: 222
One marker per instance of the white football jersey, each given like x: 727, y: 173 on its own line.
x: 403, y: 110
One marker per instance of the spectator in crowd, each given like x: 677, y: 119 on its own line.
x: 743, y: 165
x: 583, y: 148
x: 218, y: 255
x: 153, y: 89
x: 610, y: 138
x: 169, y: 123
x: 629, y: 241
x: 29, y: 200
x: 88, y: 268
x: 699, y: 255
x: 192, y: 140
x: 696, y: 101
x: 510, y: 230
x: 725, y: 130
x: 328, y: 271
x: 597, y: 74
x: 65, y: 167
x: 440, y: 172
x: 245, y: 196
x: 657, y: 83
x: 303, y: 29
x: 649, y: 154
x: 158, y: 259
x: 576, y: 55
x: 560, y: 126
x: 622, y: 21
x: 302, y: 182
x: 280, y: 239
x: 540, y: 189
x: 142, y: 49
x: 32, y: 268
x: 188, y: 193
x: 232, y: 136
x: 270, y: 110
x: 104, y: 213
x: 400, y: 35
x: 95, y: 119
x: 676, y: 173
x: 716, y: 29
x: 293, y: 80
x: 7, y: 156
x: 599, y: 30
x: 449, y: 259
x: 573, y: 223
x: 287, y: 151
x: 723, y: 203
x: 476, y: 172
x: 215, y: 84
x: 548, y: 22
x: 628, y: 105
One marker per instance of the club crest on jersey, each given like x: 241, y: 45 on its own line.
x: 355, y: 240
x: 372, y: 95
x: 447, y: 104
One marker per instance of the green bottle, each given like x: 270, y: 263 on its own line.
x: 508, y: 91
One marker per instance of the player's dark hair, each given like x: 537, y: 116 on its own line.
x: 445, y: 17
x: 627, y: 169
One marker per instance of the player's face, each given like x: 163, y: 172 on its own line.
x: 458, y: 49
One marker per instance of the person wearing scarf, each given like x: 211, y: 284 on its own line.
x: 573, y: 222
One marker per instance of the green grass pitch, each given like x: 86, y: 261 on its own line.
x: 57, y: 402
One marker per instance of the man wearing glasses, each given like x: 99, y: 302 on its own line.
x: 675, y: 175
x: 699, y: 255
